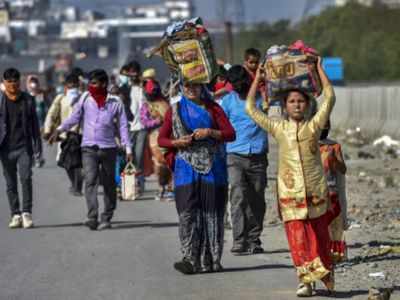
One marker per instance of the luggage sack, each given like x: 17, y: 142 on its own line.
x: 187, y: 49
x: 291, y: 68
x: 128, y: 183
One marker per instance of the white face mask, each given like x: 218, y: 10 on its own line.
x: 123, y: 79
x: 72, y: 94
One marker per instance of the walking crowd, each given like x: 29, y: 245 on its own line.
x: 207, y: 143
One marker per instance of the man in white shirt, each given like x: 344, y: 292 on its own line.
x: 137, y: 131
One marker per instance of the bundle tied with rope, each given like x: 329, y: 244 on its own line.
x: 187, y: 50
x: 292, y: 67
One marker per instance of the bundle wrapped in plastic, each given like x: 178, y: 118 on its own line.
x: 293, y: 67
x: 186, y: 48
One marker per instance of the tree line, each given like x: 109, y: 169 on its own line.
x: 366, y: 38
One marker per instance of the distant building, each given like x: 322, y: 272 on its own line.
x: 172, y: 9
x: 28, y: 9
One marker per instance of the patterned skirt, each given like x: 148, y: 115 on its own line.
x: 201, y: 205
x: 310, y: 245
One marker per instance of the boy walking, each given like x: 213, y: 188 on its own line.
x: 20, y: 142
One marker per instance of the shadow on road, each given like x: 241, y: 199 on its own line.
x: 256, y: 268
x: 116, y: 225
x: 277, y: 251
x: 60, y: 225
x: 135, y: 224
x: 341, y: 294
x: 347, y: 294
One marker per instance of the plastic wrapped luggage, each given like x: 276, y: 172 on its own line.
x: 187, y: 49
x: 292, y: 67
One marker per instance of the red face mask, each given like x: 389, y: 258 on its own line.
x: 99, y: 94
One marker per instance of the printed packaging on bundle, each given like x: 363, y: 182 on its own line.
x: 187, y: 49
x: 293, y: 67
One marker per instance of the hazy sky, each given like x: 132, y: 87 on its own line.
x: 255, y: 10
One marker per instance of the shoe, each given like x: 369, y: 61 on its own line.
x: 169, y: 196
x: 304, y: 290
x: 76, y: 193
x: 16, y: 222
x: 217, y: 267
x: 207, y: 269
x: 159, y: 196
x: 239, y: 250
x: 27, y: 220
x: 104, y: 226
x: 185, y: 267
x: 92, y: 224
x: 255, y: 249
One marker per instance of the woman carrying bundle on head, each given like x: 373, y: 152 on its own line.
x: 302, y: 187
x: 196, y: 128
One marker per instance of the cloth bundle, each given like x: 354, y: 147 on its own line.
x: 292, y: 67
x: 187, y: 49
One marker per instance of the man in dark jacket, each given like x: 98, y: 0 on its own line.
x: 20, y: 143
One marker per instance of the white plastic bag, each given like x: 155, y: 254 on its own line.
x: 128, y: 183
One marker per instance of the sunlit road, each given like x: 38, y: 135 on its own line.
x: 60, y: 259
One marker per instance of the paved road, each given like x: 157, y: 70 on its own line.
x: 60, y: 259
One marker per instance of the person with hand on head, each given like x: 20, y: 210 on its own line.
x: 20, y: 144
x: 196, y: 128
x: 302, y: 188
x: 97, y: 110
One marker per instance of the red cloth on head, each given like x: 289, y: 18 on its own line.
x: 300, y: 45
x: 99, y: 94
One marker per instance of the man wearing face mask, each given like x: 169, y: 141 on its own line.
x: 124, y: 87
x: 138, y: 133
x: 60, y: 110
x: 34, y: 89
x: 247, y: 166
x: 19, y: 142
x: 101, y: 114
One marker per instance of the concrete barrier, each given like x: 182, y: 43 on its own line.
x: 375, y: 109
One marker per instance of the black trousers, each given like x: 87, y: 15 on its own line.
x: 76, y: 179
x: 99, y: 163
x: 247, y: 179
x: 18, y: 161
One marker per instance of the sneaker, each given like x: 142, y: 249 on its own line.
x: 16, y: 222
x: 27, y: 220
x: 77, y: 194
x: 159, y: 196
x: 304, y: 290
x: 169, y: 196
x: 91, y: 224
x: 104, y: 226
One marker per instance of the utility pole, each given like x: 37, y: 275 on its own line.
x: 228, y: 42
x: 232, y: 14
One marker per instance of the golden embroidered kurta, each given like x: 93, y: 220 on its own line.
x: 302, y: 187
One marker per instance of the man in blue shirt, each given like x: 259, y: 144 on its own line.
x: 247, y: 166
